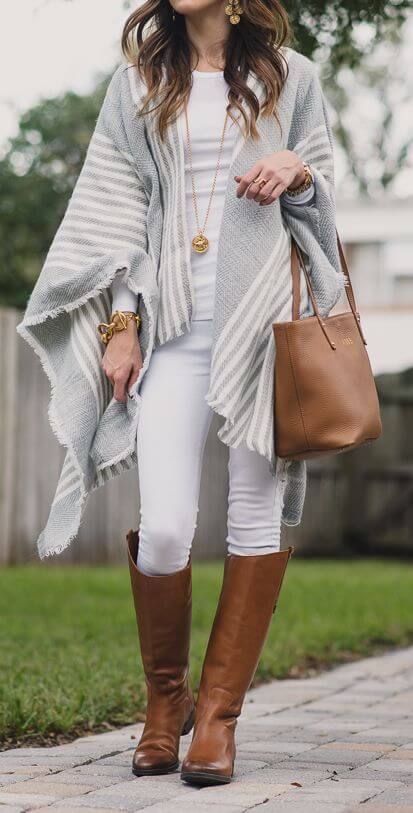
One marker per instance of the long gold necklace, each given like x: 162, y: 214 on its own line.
x: 200, y: 242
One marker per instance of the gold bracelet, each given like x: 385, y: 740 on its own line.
x: 119, y: 320
x: 308, y: 180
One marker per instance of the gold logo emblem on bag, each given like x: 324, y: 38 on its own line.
x: 347, y: 340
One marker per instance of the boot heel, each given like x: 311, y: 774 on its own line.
x: 189, y: 723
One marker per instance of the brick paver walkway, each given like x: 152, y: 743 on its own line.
x: 331, y: 743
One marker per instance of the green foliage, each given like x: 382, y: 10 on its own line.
x: 37, y: 176
x: 68, y: 639
x: 333, y: 26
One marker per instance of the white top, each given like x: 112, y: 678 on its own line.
x: 206, y: 114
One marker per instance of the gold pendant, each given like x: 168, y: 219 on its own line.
x: 200, y: 243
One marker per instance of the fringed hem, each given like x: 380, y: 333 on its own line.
x: 23, y: 329
x: 57, y: 430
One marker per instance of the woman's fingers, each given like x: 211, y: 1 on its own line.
x: 274, y: 195
x: 268, y: 192
x: 134, y: 376
x: 120, y: 380
x: 245, y: 180
x: 265, y: 190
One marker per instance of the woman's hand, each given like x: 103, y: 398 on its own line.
x: 280, y: 169
x: 122, y: 360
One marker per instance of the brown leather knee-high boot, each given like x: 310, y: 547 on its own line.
x: 249, y: 594
x: 163, y: 613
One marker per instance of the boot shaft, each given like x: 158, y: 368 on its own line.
x: 250, y: 590
x: 163, y: 606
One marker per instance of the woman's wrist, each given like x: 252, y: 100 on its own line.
x: 303, y: 181
x: 300, y: 177
x: 119, y: 321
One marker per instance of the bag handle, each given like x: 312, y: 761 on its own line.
x: 297, y: 263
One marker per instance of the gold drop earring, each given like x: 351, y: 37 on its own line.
x: 234, y: 11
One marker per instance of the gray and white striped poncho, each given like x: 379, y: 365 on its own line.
x: 127, y: 213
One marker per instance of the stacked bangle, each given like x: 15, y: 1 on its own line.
x: 308, y: 180
x: 119, y: 320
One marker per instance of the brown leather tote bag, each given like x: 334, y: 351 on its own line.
x: 325, y: 397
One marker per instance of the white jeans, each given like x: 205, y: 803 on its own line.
x: 172, y: 431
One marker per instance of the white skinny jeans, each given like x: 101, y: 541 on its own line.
x: 172, y: 431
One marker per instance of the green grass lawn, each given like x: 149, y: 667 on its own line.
x: 68, y: 644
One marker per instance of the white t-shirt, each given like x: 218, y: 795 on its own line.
x: 206, y: 113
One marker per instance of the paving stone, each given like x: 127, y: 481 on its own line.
x: 238, y: 793
x: 303, y: 773
x: 272, y: 760
x: 380, y: 713
x: 401, y: 753
x: 289, y: 718
x: 56, y: 789
x: 398, y: 796
x: 391, y: 734
x: 70, y: 753
x: 262, y: 746
x: 377, y: 808
x: 335, y: 726
x: 85, y: 803
x: 35, y: 758
x: 344, y: 790
x: 25, y: 771
x: 97, y: 769
x: 86, y: 779
x: 12, y: 809
x: 370, y: 771
x: 288, y: 748
x: 124, y: 759
x: 395, y: 765
x: 57, y: 808
x: 363, y: 746
x: 303, y: 735
x: 25, y: 799
x: 15, y: 766
x: 245, y: 766
x: 173, y: 806
x: 256, y: 710
x: 284, y: 805
x: 19, y: 753
x: 11, y: 779
x: 143, y: 791
x: 336, y: 756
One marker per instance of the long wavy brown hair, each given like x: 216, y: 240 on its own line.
x: 159, y: 48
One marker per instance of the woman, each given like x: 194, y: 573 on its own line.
x: 212, y: 147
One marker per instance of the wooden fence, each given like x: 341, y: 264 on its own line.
x: 361, y: 501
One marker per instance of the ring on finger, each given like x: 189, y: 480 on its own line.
x: 260, y: 181
x: 249, y: 185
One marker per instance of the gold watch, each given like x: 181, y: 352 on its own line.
x: 119, y: 320
x: 308, y: 180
